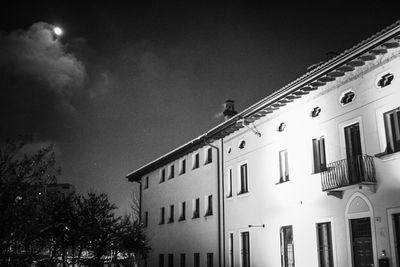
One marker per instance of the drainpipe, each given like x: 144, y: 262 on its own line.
x: 220, y: 246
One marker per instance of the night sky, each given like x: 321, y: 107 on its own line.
x: 128, y: 82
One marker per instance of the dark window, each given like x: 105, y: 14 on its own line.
x: 231, y: 262
x: 347, y: 98
x: 229, y: 183
x: 183, y: 166
x: 385, y: 80
x: 325, y: 244
x: 392, y: 130
x: 162, y: 178
x: 162, y: 215
x: 319, y: 154
x: 209, y: 156
x: 315, y: 112
x: 245, y: 249
x: 283, y: 166
x: 182, y: 217
x: 243, y: 179
x: 210, y: 259
x: 171, y: 214
x: 287, y: 247
x: 196, y: 259
x: 242, y: 144
x: 183, y: 260
x: 146, y: 219
x: 196, y: 160
x: 171, y: 171
x: 196, y: 210
x: 146, y: 182
x: 170, y: 260
x: 161, y: 260
x: 209, y: 211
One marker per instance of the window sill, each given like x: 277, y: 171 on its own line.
x: 181, y: 219
x: 386, y: 157
x: 208, y: 214
x: 229, y: 197
x: 282, y: 182
x: 170, y: 222
x: 244, y: 194
x: 193, y: 218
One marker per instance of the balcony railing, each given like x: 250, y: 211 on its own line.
x: 345, y: 172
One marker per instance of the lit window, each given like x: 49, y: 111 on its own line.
x: 245, y: 249
x: 183, y: 167
x: 162, y: 176
x: 208, y: 156
x: 347, y: 97
x: 182, y: 217
x: 287, y: 247
x: 209, y: 210
x: 171, y: 171
x: 283, y: 166
x: 229, y: 184
x: 243, y: 182
x: 162, y: 215
x: 210, y: 259
x: 196, y: 208
x: 318, y: 145
x: 392, y: 130
x: 196, y: 160
x: 325, y: 244
x: 171, y: 214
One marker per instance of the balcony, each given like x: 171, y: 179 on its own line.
x: 346, y: 173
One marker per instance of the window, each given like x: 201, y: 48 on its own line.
x: 229, y: 184
x: 283, y: 166
x: 182, y: 217
x: 243, y: 182
x: 171, y: 214
x: 196, y: 260
x: 315, y: 112
x: 196, y: 208
x: 208, y: 156
x: 209, y: 210
x: 231, y: 262
x: 245, y: 249
x: 385, y: 80
x: 318, y: 145
x: 146, y: 219
x: 347, y: 97
x: 162, y: 176
x: 196, y: 160
x: 183, y: 260
x: 325, y: 244
x: 146, y: 182
x: 161, y: 260
x: 183, y: 167
x: 210, y: 259
x: 392, y: 130
x: 171, y: 171
x: 162, y: 215
x: 170, y: 260
x: 287, y: 248
x: 242, y: 144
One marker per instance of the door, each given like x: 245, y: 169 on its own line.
x: 362, y: 242
x: 353, y: 153
x: 396, y: 228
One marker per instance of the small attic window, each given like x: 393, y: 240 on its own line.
x: 315, y: 112
x: 281, y: 127
x: 229, y: 149
x: 242, y: 144
x: 384, y: 80
x: 347, y: 97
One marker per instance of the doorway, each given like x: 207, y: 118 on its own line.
x: 361, y: 239
x: 396, y: 229
x: 353, y: 153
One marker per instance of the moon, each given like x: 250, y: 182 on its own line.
x: 57, y: 31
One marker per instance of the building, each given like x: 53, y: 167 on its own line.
x: 308, y: 176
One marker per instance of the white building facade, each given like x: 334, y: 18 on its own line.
x: 308, y: 176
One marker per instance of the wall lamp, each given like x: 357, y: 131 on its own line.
x: 257, y: 225
x: 243, y: 122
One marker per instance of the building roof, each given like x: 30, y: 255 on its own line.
x: 338, y: 66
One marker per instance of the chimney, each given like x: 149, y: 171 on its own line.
x: 229, y: 110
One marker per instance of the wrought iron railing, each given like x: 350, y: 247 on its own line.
x: 349, y: 171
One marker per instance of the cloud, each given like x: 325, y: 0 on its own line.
x: 39, y: 80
